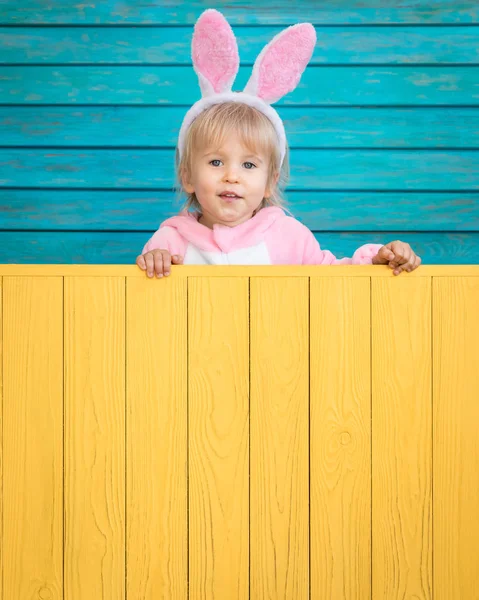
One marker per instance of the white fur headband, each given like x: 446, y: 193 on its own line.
x: 276, y: 71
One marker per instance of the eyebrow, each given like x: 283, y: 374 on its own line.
x: 254, y: 156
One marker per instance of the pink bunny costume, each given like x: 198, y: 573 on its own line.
x: 270, y: 236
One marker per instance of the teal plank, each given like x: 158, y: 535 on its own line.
x: 320, y: 85
x: 172, y: 45
x: 123, y: 248
x: 320, y: 211
x: 239, y: 12
x: 311, y: 169
x: 311, y: 127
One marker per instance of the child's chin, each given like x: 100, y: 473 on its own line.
x: 232, y: 212
x: 232, y: 216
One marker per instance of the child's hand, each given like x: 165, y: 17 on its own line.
x: 158, y: 260
x: 399, y: 255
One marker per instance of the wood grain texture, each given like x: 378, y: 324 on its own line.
x: 404, y: 396
x: 362, y: 85
x: 312, y: 127
x: 317, y: 169
x: 320, y: 210
x: 156, y: 396
x: 32, y: 536
x: 172, y: 45
x: 340, y: 434
x: 401, y: 439
x: 279, y: 450
x: 218, y: 433
x: 123, y: 247
x: 239, y: 12
x: 94, y: 333
x: 456, y: 446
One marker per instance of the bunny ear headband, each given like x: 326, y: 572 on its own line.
x: 276, y: 71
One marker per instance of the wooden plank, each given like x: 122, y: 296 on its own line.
x: 1, y: 436
x: 401, y: 439
x: 32, y: 536
x: 312, y: 127
x: 94, y: 333
x: 239, y: 12
x: 119, y: 210
x: 456, y: 447
x: 186, y: 271
x: 218, y: 400
x: 340, y: 459
x: 123, y: 247
x: 172, y: 45
x: 319, y: 85
x: 156, y: 393
x: 279, y: 449
x: 344, y: 169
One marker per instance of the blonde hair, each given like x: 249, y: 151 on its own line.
x: 256, y: 132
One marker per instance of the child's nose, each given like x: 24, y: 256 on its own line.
x: 231, y: 174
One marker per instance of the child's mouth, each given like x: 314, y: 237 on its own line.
x: 230, y: 197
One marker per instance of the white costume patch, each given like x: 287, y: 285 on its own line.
x: 254, y: 255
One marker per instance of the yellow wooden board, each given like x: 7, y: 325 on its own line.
x: 218, y: 410
x: 86, y: 270
x: 401, y: 439
x: 279, y: 527
x: 94, y: 331
x: 156, y: 439
x: 1, y: 439
x: 456, y: 439
x: 340, y: 433
x: 33, y: 437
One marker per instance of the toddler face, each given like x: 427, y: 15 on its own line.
x: 229, y: 182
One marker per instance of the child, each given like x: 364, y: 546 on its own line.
x: 232, y: 161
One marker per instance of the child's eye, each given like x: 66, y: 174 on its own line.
x: 215, y: 160
x: 249, y: 165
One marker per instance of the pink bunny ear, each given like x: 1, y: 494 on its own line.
x: 279, y: 66
x: 215, y: 53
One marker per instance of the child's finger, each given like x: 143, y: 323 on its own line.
x: 408, y: 260
x: 159, y: 264
x: 413, y: 263
x: 166, y: 263
x: 176, y: 259
x: 140, y: 261
x: 403, y: 267
x: 386, y: 253
x: 150, y: 264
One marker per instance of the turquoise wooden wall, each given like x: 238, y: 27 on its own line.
x: 384, y: 127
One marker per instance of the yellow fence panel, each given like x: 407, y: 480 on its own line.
x: 401, y: 439
x: 279, y: 438
x: 32, y: 533
x: 218, y: 408
x: 303, y: 433
x: 94, y: 438
x: 340, y: 448
x: 156, y: 421
x: 456, y: 437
